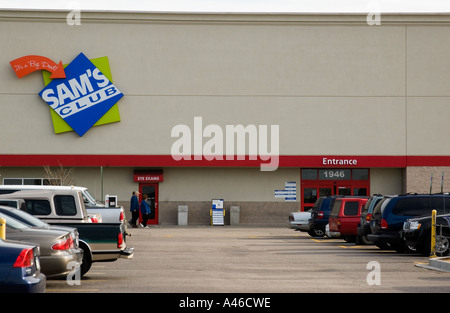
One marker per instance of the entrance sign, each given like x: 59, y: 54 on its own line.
x: 83, y: 97
x: 217, y: 212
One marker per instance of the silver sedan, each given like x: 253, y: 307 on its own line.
x: 57, y: 246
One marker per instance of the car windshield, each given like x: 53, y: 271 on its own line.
x: 379, y: 208
x: 336, y: 207
x: 12, y: 222
x: 89, y: 196
x: 316, y: 205
x: 377, y: 200
x: 366, y: 206
x: 25, y: 218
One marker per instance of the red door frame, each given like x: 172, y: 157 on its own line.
x: 155, y: 219
x: 333, y: 184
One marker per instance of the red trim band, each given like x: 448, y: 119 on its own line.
x: 313, y: 161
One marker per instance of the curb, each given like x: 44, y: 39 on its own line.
x: 441, y: 264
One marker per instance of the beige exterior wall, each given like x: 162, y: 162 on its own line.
x: 333, y: 84
x: 273, y: 70
x: 386, y: 181
x: 419, y: 179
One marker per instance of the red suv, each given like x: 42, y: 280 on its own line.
x: 345, y: 216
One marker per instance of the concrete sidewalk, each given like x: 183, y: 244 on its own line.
x: 441, y: 264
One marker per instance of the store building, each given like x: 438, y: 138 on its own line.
x: 264, y: 111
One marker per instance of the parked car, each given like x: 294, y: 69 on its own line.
x: 32, y: 221
x: 65, y: 207
x: 57, y: 247
x: 345, y: 216
x: 389, y: 215
x: 300, y: 221
x: 108, y: 214
x: 101, y: 242
x: 320, y: 213
x: 20, y: 268
x: 417, y: 234
x: 363, y: 228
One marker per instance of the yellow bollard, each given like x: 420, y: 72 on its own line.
x: 2, y: 228
x: 433, y: 234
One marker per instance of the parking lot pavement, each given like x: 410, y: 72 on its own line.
x: 226, y: 259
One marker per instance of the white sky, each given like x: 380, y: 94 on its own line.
x: 275, y: 6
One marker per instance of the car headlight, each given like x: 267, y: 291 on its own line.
x: 414, y: 225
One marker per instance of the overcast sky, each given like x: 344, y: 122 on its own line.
x: 305, y: 6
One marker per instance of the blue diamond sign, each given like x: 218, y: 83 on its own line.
x: 83, y: 97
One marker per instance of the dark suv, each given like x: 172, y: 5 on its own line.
x: 389, y: 215
x: 363, y: 228
x: 320, y: 213
x: 417, y: 233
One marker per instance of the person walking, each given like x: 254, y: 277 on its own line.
x: 145, y: 211
x: 134, y: 208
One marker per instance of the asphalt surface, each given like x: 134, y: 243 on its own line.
x: 227, y: 259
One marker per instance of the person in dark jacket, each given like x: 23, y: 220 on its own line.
x: 145, y: 211
x: 134, y: 208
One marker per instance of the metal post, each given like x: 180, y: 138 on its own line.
x: 101, y: 184
x: 433, y: 234
x: 2, y: 228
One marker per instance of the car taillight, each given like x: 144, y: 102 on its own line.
x: 320, y: 215
x: 119, y: 240
x: 121, y: 217
x: 25, y: 258
x: 384, y: 224
x: 94, y: 219
x: 63, y: 244
x: 368, y: 216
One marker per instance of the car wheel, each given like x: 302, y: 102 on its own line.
x: 87, y: 260
x: 362, y: 240
x: 442, y: 245
x: 316, y: 232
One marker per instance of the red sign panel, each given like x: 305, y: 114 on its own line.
x: 148, y: 176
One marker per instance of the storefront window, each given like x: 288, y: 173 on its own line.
x: 309, y: 195
x: 360, y: 174
x: 309, y: 174
x: 335, y: 174
x: 32, y: 181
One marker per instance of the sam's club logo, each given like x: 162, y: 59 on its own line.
x: 83, y: 98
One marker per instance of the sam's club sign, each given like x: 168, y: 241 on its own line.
x: 80, y: 94
x: 84, y: 96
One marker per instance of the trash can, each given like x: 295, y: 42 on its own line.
x: 235, y: 212
x: 182, y: 215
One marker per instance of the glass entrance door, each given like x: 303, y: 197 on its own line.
x: 151, y: 190
x: 317, y: 183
